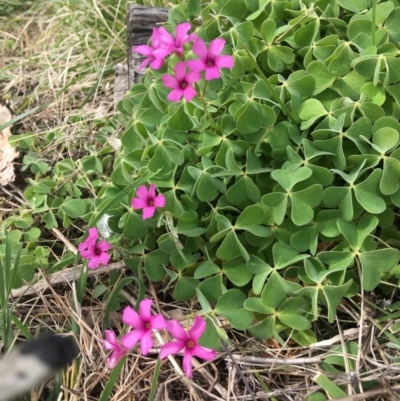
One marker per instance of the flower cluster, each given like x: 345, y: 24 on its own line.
x: 143, y: 324
x: 96, y: 252
x: 163, y: 44
x: 187, y: 72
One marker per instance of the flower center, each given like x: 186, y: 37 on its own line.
x: 98, y: 251
x: 184, y: 85
x: 151, y: 202
x: 210, y: 63
x: 147, y: 326
x: 190, y: 344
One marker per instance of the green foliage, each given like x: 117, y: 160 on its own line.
x: 281, y: 178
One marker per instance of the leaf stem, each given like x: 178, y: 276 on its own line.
x: 373, y: 22
x: 210, y: 119
x: 270, y: 87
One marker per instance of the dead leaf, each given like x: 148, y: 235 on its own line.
x: 7, y: 152
x: 114, y: 142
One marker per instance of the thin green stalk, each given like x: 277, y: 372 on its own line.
x: 111, y: 381
x: 82, y: 283
x: 8, y: 275
x: 373, y: 23
x: 210, y: 120
x: 270, y: 87
x: 263, y: 385
x: 155, y: 380
x: 26, y: 333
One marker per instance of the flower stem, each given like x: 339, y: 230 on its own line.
x: 155, y: 380
x: 210, y: 119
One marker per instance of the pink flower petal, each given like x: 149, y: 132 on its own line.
x: 171, y: 348
x: 159, y: 201
x: 94, y: 262
x: 180, y: 71
x: 104, y: 246
x: 161, y: 53
x: 196, y: 65
x: 158, y: 322
x: 142, y: 193
x: 212, y: 73
x: 181, y: 32
x: 224, y: 61
x: 166, y: 38
x: 187, y: 363
x: 83, y: 246
x: 130, y: 339
x: 152, y: 191
x: 93, y: 234
x: 145, y: 310
x: 199, y: 325
x: 169, y: 81
x: 175, y: 95
x: 115, y: 357
x: 111, y: 340
x: 157, y: 63
x: 132, y: 318
x: 192, y: 37
x: 104, y: 258
x: 177, y: 330
x: 155, y: 38
x: 144, y: 64
x: 146, y: 343
x: 148, y: 212
x: 143, y: 49
x: 216, y: 47
x: 88, y: 254
x: 138, y: 203
x: 203, y: 353
x: 189, y: 93
x: 200, y: 48
x: 192, y: 77
x: 86, y: 251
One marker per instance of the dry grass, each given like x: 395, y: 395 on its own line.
x: 70, y: 71
x: 51, y: 55
x: 250, y: 370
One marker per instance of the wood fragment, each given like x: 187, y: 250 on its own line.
x: 64, y: 276
x: 140, y: 23
x: 121, y: 81
x: 255, y: 360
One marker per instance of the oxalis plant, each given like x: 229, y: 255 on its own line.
x: 258, y: 170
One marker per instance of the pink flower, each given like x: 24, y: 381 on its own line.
x: 187, y: 341
x: 143, y: 324
x: 95, y: 252
x: 148, y: 201
x: 175, y: 45
x: 181, y: 83
x: 155, y: 54
x: 111, y: 344
x: 210, y: 60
